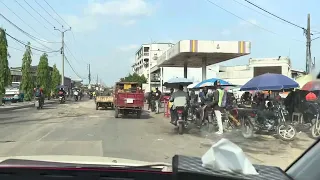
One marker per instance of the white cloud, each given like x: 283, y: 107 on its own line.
x: 129, y: 47
x: 124, y: 12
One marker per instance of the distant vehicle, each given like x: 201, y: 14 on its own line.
x: 13, y: 93
x: 128, y: 99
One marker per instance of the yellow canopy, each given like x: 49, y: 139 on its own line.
x: 304, y: 80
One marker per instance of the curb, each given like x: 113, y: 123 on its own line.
x: 23, y: 106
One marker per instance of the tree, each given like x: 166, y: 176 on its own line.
x: 55, y: 78
x: 43, y: 74
x: 134, y: 78
x: 5, y: 75
x: 27, y: 84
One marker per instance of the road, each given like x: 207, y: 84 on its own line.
x: 76, y: 128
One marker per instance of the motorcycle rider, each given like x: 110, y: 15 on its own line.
x: 38, y: 93
x: 205, y: 98
x: 179, y: 99
x: 62, y: 93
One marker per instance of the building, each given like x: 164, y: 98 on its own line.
x: 239, y: 75
x: 146, y: 53
x: 160, y: 75
x: 16, y: 75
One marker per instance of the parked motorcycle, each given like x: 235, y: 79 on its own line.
x: 194, y: 117
x: 38, y: 103
x: 309, y: 118
x: 272, y: 120
x: 76, y: 95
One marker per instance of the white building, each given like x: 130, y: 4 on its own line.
x: 239, y: 75
x: 148, y: 52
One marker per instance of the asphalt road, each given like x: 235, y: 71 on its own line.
x: 76, y: 128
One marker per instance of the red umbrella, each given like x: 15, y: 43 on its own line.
x: 312, y: 86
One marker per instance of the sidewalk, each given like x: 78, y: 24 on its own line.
x: 21, y: 105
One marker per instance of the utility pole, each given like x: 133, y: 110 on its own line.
x: 97, y: 79
x: 62, y: 51
x: 309, y: 63
x: 89, y: 75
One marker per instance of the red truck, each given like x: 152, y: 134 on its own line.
x: 128, y: 99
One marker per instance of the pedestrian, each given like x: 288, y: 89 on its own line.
x: 157, y: 99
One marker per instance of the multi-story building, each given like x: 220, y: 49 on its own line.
x: 147, y: 55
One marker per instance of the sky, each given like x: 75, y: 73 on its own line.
x: 107, y: 33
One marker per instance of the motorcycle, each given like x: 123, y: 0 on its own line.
x: 61, y: 99
x: 76, y: 95
x: 271, y: 121
x: 180, y: 119
x: 38, y: 103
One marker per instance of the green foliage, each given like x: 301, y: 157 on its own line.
x: 27, y: 84
x: 55, y: 78
x: 5, y: 75
x: 134, y: 78
x: 43, y: 74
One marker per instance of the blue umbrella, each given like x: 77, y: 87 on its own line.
x: 269, y: 81
x: 178, y: 81
x: 210, y: 82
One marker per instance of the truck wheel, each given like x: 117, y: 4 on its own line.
x: 97, y: 107
x: 116, y: 112
x: 139, y: 114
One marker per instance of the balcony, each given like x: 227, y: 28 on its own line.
x: 146, y: 54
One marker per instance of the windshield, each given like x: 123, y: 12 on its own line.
x: 14, y: 86
x: 245, y: 77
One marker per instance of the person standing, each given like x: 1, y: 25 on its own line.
x: 217, y: 102
x: 157, y: 99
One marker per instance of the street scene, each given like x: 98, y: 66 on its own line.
x: 76, y: 128
x: 140, y: 81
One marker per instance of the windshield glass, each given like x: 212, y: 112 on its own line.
x: 145, y: 80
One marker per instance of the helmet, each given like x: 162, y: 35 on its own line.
x: 217, y: 83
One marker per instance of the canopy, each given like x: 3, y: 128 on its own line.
x: 210, y: 82
x: 269, y: 81
x: 175, y: 82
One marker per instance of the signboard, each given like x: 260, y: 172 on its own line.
x: 127, y: 86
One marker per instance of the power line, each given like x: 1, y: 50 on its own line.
x: 34, y: 17
x: 24, y: 50
x: 255, y: 10
x: 74, y: 55
x: 275, y: 15
x: 72, y: 68
x: 254, y: 24
x: 27, y: 34
x: 20, y: 18
x: 34, y: 48
x: 56, y: 13
x: 38, y: 13
x: 48, y: 12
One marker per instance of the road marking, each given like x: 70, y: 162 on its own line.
x: 94, y: 116
x: 47, y: 134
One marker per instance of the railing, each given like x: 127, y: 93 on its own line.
x: 146, y: 54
